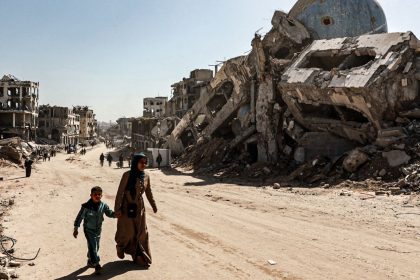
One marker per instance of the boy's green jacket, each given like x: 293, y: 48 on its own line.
x: 92, y: 215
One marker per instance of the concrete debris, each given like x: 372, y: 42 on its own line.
x: 14, y: 264
x: 396, y: 157
x: 354, y: 160
x: 331, y: 147
x: 10, y: 153
x: 350, y: 87
x: 389, y: 136
x: 382, y: 172
x: 4, y: 273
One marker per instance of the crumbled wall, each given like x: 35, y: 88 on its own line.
x: 352, y: 87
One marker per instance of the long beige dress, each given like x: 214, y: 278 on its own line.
x: 133, y: 231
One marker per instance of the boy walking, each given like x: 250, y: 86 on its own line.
x: 92, y: 214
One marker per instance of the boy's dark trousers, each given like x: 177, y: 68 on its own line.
x: 93, y: 237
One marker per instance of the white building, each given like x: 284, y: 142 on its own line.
x: 154, y: 106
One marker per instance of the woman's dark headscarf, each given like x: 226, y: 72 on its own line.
x: 135, y: 173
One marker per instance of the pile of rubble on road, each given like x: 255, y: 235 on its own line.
x: 13, y: 151
x: 393, y: 169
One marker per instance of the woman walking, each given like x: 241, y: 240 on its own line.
x: 132, y: 236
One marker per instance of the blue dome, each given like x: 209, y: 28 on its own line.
x: 326, y: 19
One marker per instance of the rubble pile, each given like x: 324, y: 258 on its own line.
x: 13, y: 151
x: 206, y: 155
x: 310, y: 108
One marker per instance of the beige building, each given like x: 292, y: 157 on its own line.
x: 60, y: 124
x: 125, y: 125
x: 87, y: 122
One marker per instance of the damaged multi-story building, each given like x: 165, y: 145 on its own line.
x: 152, y: 132
x: 88, y: 123
x: 125, y: 125
x: 154, y: 107
x: 325, y: 78
x: 18, y: 108
x: 60, y: 124
x: 186, y: 92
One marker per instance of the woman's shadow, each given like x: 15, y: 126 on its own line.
x: 109, y: 270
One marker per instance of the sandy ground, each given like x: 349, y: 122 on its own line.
x: 207, y: 229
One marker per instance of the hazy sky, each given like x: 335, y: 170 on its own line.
x: 110, y: 54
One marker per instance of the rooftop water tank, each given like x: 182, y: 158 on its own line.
x: 326, y: 19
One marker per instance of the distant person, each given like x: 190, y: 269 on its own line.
x: 101, y: 159
x: 132, y: 237
x: 45, y: 156
x: 109, y: 159
x: 121, y: 161
x: 92, y: 213
x: 28, y: 166
x: 159, y: 159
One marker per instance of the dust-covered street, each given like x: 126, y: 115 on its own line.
x: 207, y: 229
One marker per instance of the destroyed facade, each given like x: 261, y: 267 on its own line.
x: 60, y: 124
x: 125, y: 125
x: 18, y: 108
x: 186, y: 92
x: 154, y: 106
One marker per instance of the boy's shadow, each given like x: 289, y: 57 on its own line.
x: 109, y: 270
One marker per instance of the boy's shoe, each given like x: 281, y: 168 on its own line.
x: 89, y: 264
x: 98, y: 269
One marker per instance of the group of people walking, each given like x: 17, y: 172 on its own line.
x: 132, y: 237
x: 109, y: 159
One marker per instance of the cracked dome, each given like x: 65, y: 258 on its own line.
x: 326, y: 19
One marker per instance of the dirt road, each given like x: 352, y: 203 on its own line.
x: 207, y: 229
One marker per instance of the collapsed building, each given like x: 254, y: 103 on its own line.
x: 18, y: 108
x: 355, y: 88
x: 60, y: 124
x: 321, y: 82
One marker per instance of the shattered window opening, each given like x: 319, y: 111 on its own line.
x: 339, y: 113
x: 252, y: 150
x: 282, y: 53
x: 351, y: 115
x: 342, y: 62
x: 354, y: 61
x: 216, y: 103
x: 201, y: 122
x: 187, y: 138
x: 322, y: 111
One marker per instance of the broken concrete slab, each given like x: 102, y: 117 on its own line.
x: 362, y: 92
x: 396, y: 157
x: 389, y: 136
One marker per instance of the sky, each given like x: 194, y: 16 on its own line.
x: 110, y: 54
